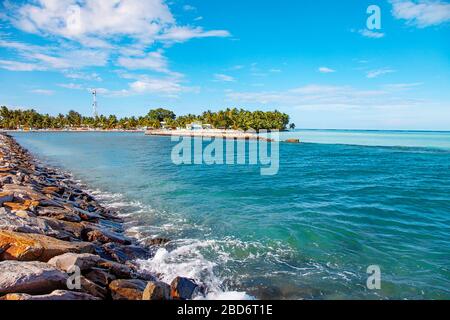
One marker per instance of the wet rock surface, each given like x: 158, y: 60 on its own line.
x: 58, y: 243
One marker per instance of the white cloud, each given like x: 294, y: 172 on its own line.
x: 371, y: 34
x: 95, y: 33
x: 402, y: 86
x: 75, y: 59
x: 275, y: 70
x: 376, y: 73
x: 198, y: 18
x: 325, y: 97
x: 168, y: 86
x: 73, y: 86
x: 43, y: 92
x: 326, y: 70
x: 237, y: 67
x: 223, y: 77
x: 181, y: 34
x: 153, y: 61
x: 188, y: 7
x: 19, y: 66
x: 83, y: 76
x: 50, y: 57
x: 96, y: 23
x: 421, y: 13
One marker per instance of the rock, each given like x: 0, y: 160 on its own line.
x: 5, y: 179
x: 24, y: 190
x: 156, y: 290
x: 122, y: 254
x: 127, y: 289
x: 183, y: 288
x: 6, y: 197
x: 59, y: 214
x: 26, y: 205
x: 100, y: 277
x: 67, y: 261
x: 292, y: 141
x: 30, y: 277
x: 157, y: 242
x: 57, y: 295
x: 50, y: 190
x: 27, y: 247
x: 117, y: 269
x: 75, y: 229
x: 93, y: 289
x: 86, y: 215
x: 105, y: 236
x: 23, y: 221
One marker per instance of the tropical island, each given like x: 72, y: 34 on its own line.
x: 228, y: 119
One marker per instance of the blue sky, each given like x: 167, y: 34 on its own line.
x: 315, y: 60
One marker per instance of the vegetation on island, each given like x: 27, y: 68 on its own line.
x: 156, y: 118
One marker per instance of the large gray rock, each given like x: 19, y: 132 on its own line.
x: 6, y: 197
x: 183, y: 288
x: 121, y: 271
x: 30, y: 277
x: 67, y: 261
x: 156, y: 290
x: 93, y: 289
x: 27, y: 224
x: 100, y: 277
x: 58, y: 295
x: 127, y: 289
x: 31, y: 247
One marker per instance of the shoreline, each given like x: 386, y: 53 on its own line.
x: 224, y: 134
x: 57, y: 242
x: 70, y: 131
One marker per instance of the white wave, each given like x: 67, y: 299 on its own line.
x: 187, y: 260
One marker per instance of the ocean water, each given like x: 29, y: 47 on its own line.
x: 341, y: 202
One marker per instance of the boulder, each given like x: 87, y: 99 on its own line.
x: 18, y: 206
x: 24, y: 190
x: 28, y: 247
x: 51, y: 190
x: 183, y: 288
x: 118, y: 270
x: 59, y: 214
x: 67, y: 261
x: 57, y: 295
x: 86, y: 215
x: 122, y: 254
x: 157, y: 241
x: 6, y: 197
x: 73, y: 228
x: 30, y: 277
x: 100, y: 277
x: 156, y: 290
x: 105, y: 236
x: 127, y: 289
x: 93, y: 289
x: 23, y: 221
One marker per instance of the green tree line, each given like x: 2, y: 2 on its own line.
x: 227, y: 119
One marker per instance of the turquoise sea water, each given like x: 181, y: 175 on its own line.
x: 341, y: 202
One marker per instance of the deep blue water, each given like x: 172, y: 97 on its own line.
x: 310, y: 231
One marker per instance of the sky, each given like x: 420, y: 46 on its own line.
x: 319, y: 61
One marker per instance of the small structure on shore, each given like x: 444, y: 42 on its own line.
x: 194, y: 126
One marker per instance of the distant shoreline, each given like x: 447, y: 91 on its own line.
x: 72, y: 131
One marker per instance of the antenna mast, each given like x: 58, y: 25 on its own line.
x: 94, y: 102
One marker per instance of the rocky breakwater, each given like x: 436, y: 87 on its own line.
x: 58, y: 243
